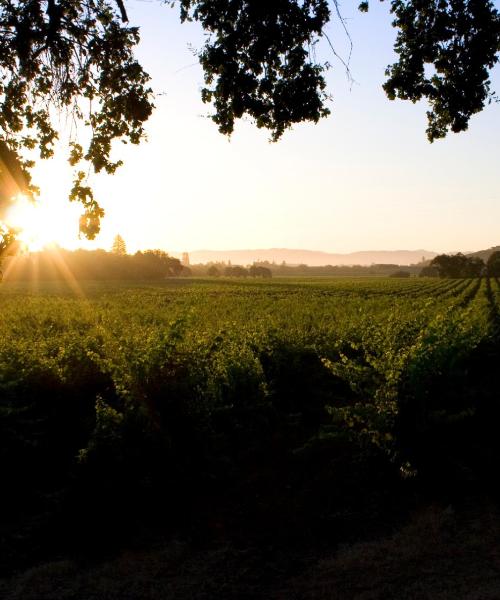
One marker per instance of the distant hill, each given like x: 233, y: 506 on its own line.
x: 484, y: 254
x: 310, y: 257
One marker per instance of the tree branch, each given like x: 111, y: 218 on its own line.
x: 123, y: 12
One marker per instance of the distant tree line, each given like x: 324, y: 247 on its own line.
x: 216, y: 270
x: 96, y: 264
x: 400, y: 274
x: 157, y: 265
x: 269, y: 269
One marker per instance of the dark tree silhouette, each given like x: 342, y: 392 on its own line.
x: 475, y: 267
x: 257, y: 59
x: 77, y: 56
x: 156, y: 263
x: 7, y: 240
x: 457, y: 265
x: 97, y: 264
x: 235, y: 271
x: 213, y: 271
x: 400, y: 274
x: 460, y: 39
x: 74, y: 56
x: 259, y: 271
x: 429, y: 271
x: 493, y: 264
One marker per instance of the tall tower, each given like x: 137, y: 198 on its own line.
x: 185, y: 259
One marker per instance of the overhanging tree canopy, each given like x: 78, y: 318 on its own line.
x: 73, y: 56
x: 77, y: 56
x: 257, y: 59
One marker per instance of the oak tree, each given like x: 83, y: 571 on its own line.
x: 74, y: 57
x: 77, y: 57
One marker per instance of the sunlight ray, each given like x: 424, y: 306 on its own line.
x: 62, y: 267
x: 10, y: 267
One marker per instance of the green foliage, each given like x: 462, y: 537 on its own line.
x: 56, y: 264
x: 259, y: 271
x: 493, y: 264
x: 75, y: 57
x: 257, y: 61
x: 460, y: 40
x: 213, y: 271
x: 393, y: 369
x: 457, y: 265
x: 236, y: 271
x: 254, y: 342
x: 7, y: 240
x: 151, y: 399
x: 400, y: 274
x: 429, y: 271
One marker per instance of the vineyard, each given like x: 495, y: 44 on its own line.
x: 309, y: 405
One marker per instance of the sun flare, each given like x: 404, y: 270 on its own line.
x: 41, y: 224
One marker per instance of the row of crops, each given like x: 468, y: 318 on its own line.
x: 119, y: 402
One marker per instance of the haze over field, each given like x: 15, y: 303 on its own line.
x: 312, y: 258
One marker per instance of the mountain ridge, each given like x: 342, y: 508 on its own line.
x: 484, y: 254
x: 293, y: 256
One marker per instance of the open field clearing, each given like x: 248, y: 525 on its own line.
x: 301, y: 414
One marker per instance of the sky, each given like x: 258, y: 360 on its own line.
x: 366, y: 178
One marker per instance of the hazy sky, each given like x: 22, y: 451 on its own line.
x: 365, y: 178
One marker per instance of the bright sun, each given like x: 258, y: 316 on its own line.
x: 42, y: 224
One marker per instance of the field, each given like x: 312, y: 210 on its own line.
x: 292, y: 410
